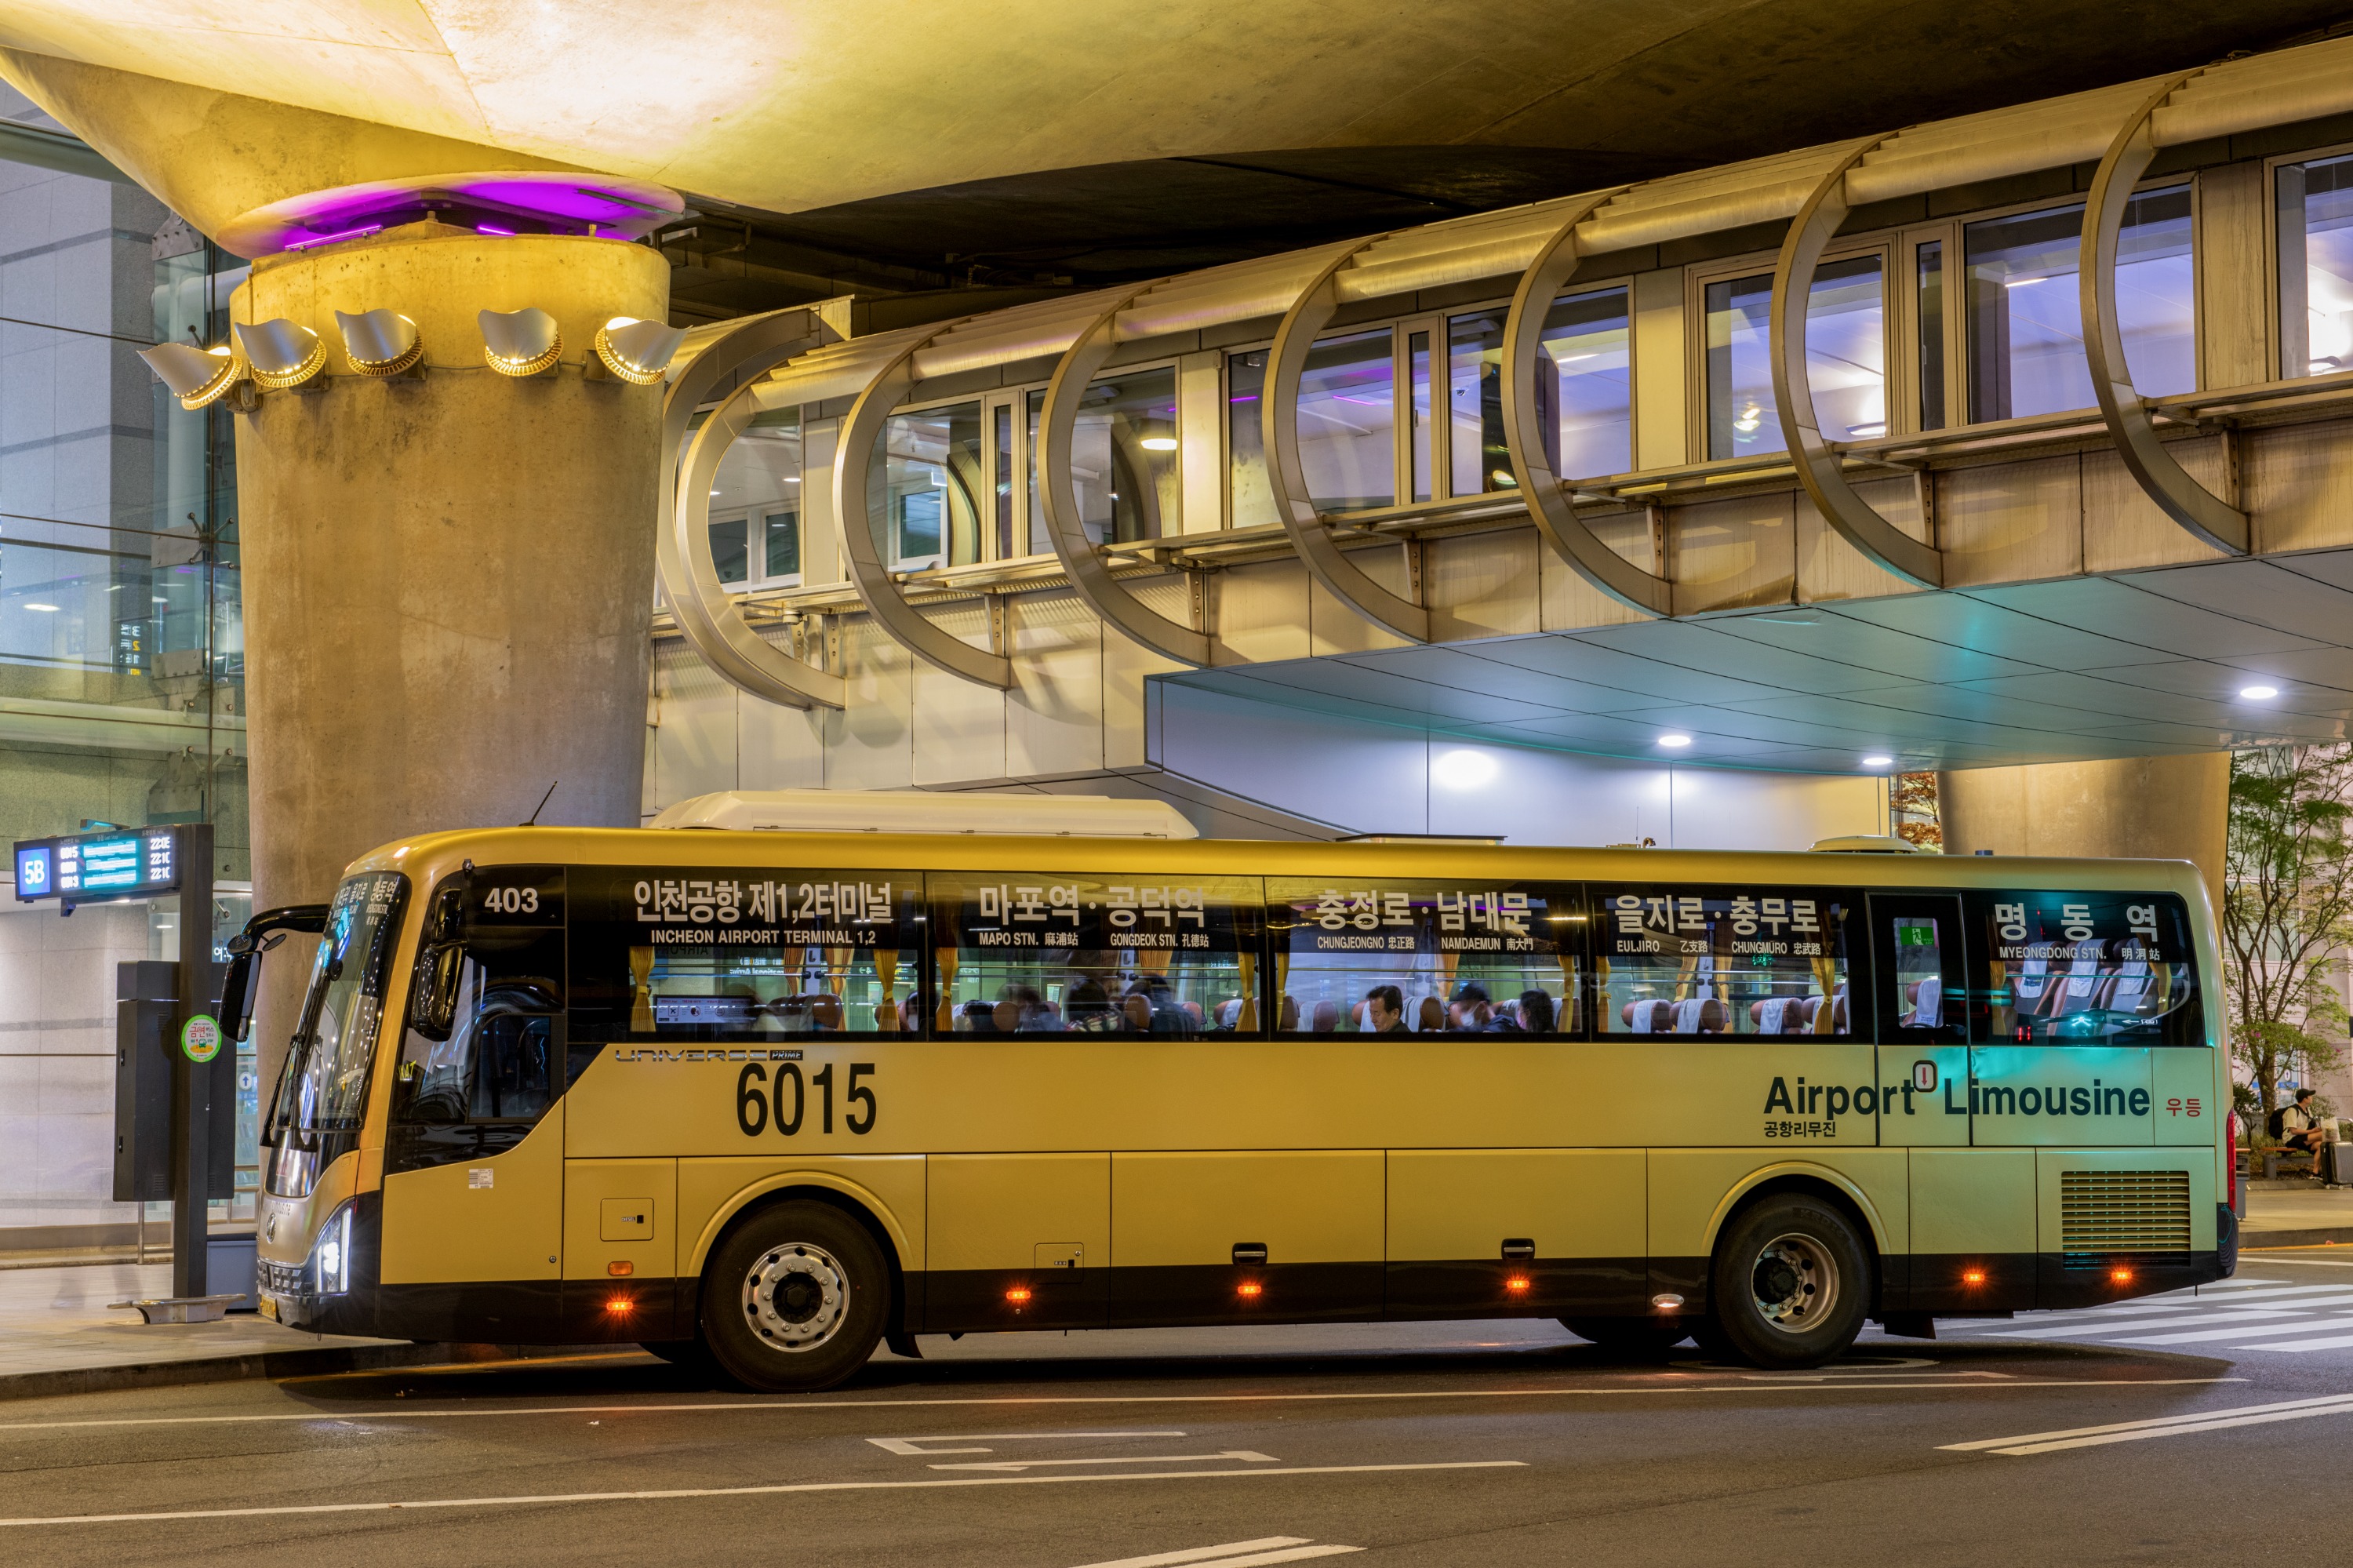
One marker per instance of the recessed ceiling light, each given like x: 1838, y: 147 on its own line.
x: 43, y: 609
x: 2258, y: 693
x: 1674, y: 742
x: 1876, y: 760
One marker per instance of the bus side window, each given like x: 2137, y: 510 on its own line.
x: 2085, y: 968
x: 1923, y: 979
x: 1427, y: 958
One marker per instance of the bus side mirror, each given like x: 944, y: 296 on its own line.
x: 433, y: 994
x: 235, y: 999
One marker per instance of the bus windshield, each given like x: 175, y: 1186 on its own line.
x: 324, y: 1088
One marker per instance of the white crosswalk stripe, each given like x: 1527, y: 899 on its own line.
x: 2244, y: 1314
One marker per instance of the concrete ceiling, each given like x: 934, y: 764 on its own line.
x: 2142, y: 663
x: 1020, y: 144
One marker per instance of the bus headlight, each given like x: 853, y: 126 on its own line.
x: 331, y: 1258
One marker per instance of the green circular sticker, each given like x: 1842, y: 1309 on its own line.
x: 200, y: 1038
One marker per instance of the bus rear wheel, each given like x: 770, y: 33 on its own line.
x: 1790, y: 1283
x: 1630, y: 1336
x: 795, y: 1299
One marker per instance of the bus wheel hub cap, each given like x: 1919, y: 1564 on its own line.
x: 1795, y: 1282
x: 795, y: 1298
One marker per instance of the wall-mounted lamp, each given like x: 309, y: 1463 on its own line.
x: 521, y: 342
x: 283, y: 355
x: 381, y: 343
x: 197, y: 377
x: 637, y: 352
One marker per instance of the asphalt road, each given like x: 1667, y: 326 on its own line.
x: 2172, y: 1430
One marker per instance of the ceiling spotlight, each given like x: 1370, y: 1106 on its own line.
x: 2258, y: 693
x: 637, y: 352
x: 1674, y: 741
x: 1158, y: 443
x: 381, y: 343
x: 521, y: 342
x: 283, y: 355
x: 197, y: 377
x: 1876, y: 760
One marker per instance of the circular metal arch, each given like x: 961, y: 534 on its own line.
x: 1286, y: 477
x: 2155, y: 468
x: 906, y: 625
x: 1858, y: 521
x: 708, y: 615
x: 1057, y: 427
x: 1549, y: 508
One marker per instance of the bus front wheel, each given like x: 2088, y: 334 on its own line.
x: 1790, y: 1284
x: 795, y: 1298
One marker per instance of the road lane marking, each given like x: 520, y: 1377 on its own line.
x: 1234, y: 1555
x: 289, y: 1510
x: 760, y: 1406
x: 2329, y: 1343
x: 2159, y: 1426
x: 1244, y: 1455
x: 2236, y: 1332
x: 915, y: 1445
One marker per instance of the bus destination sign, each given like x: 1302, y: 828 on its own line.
x: 83, y: 868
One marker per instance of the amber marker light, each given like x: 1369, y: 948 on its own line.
x: 1973, y: 1276
x: 1517, y: 1285
x: 620, y: 1306
x: 2120, y: 1276
x: 1018, y: 1297
x: 1250, y: 1290
x: 621, y: 1270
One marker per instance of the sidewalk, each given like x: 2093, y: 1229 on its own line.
x: 2298, y: 1214
x: 58, y: 1336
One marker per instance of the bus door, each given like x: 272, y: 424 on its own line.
x: 473, y: 1204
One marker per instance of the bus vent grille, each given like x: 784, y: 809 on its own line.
x: 2111, y: 1216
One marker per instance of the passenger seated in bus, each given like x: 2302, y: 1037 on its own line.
x: 1538, y: 1015
x: 1229, y: 1015
x: 1470, y: 1011
x: 1384, y: 1007
x: 1160, y: 1012
x: 1430, y: 1018
x: 1926, y: 1000
x: 1087, y: 1009
x: 1287, y: 1022
x: 1327, y: 1017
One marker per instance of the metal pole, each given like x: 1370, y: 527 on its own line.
x: 192, y: 1084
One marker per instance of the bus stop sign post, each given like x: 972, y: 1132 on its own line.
x: 86, y: 868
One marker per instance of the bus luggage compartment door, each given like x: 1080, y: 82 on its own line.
x: 1291, y: 1236
x: 1017, y: 1240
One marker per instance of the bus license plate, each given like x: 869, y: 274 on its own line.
x: 266, y: 1304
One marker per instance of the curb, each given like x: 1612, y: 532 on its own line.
x: 326, y: 1359
x: 2270, y: 1241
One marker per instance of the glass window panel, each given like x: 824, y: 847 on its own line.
x: 1055, y: 953
x: 1721, y: 960
x: 1586, y: 347
x: 1347, y: 422
x: 1846, y: 358
x: 1931, y: 262
x: 727, y: 550
x: 1420, y: 957
x: 925, y: 488
x: 2112, y: 968
x: 2316, y: 250
x: 1417, y: 356
x: 760, y: 473
x: 782, y: 531
x: 1479, y: 459
x: 669, y: 954
x: 1039, y: 544
x: 1002, y: 431
x: 499, y: 1060
x: 1123, y: 456
x: 2026, y: 327
x: 1246, y: 487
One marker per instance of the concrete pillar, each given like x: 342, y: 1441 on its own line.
x: 450, y: 580
x: 2164, y: 807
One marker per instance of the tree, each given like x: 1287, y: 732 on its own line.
x: 1911, y: 804
x: 2288, y: 910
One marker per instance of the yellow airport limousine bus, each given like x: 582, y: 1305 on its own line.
x: 771, y: 1096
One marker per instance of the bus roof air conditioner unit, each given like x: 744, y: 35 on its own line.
x: 914, y: 811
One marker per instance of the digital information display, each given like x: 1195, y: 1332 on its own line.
x: 86, y: 867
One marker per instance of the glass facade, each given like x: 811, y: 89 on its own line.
x: 1583, y: 392
x: 1347, y: 421
x: 2316, y: 260
x: 121, y: 647
x: 925, y: 488
x: 2026, y: 326
x: 1846, y: 358
x: 756, y: 503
